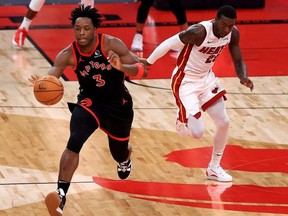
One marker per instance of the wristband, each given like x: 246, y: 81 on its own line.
x: 140, y: 72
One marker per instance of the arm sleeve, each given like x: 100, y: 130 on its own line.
x: 164, y: 47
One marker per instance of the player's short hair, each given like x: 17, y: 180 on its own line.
x: 227, y: 11
x: 87, y: 11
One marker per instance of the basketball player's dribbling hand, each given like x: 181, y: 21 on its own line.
x: 114, y: 60
x: 248, y: 83
x: 33, y: 79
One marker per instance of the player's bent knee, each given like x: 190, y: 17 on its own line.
x: 119, y: 149
x: 75, y: 143
x: 224, y: 123
x: 183, y: 130
x: 197, y: 134
x: 74, y: 148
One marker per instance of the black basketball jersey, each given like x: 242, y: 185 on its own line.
x: 95, y: 74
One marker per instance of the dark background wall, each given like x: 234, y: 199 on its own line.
x: 26, y: 2
x: 160, y: 4
x: 211, y: 4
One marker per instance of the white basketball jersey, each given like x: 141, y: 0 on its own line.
x: 197, y: 61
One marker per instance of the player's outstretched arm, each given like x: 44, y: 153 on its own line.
x: 239, y: 64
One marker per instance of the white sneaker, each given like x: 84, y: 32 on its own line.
x: 124, y: 169
x: 137, y: 44
x: 218, y: 174
x: 19, y: 37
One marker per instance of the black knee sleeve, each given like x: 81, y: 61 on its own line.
x: 119, y: 149
x: 82, y: 125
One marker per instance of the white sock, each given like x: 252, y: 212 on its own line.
x: 215, y: 160
x: 26, y: 23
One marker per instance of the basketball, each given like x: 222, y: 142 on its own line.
x: 48, y: 90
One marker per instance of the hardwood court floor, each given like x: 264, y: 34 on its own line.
x: 168, y: 175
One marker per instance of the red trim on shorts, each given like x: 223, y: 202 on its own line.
x: 98, y: 122
x: 90, y: 111
x: 116, y: 138
x: 213, y: 100
x: 177, y: 80
x: 197, y: 115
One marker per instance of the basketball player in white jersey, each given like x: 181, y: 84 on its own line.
x: 33, y: 8
x: 194, y: 84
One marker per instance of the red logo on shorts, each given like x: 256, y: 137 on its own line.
x: 214, y: 91
x: 86, y: 102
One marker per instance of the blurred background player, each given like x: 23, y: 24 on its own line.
x: 142, y: 14
x: 33, y: 8
x: 194, y: 84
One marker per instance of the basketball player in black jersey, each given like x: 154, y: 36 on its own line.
x: 100, y: 61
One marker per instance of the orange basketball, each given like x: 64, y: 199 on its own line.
x: 48, y: 90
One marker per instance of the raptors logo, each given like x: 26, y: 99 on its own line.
x: 86, y: 102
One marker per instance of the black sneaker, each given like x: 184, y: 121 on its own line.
x: 124, y: 169
x: 55, y: 202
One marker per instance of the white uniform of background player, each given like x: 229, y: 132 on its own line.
x: 194, y: 84
x: 196, y: 88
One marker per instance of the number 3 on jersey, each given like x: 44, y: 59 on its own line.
x: 99, y: 81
